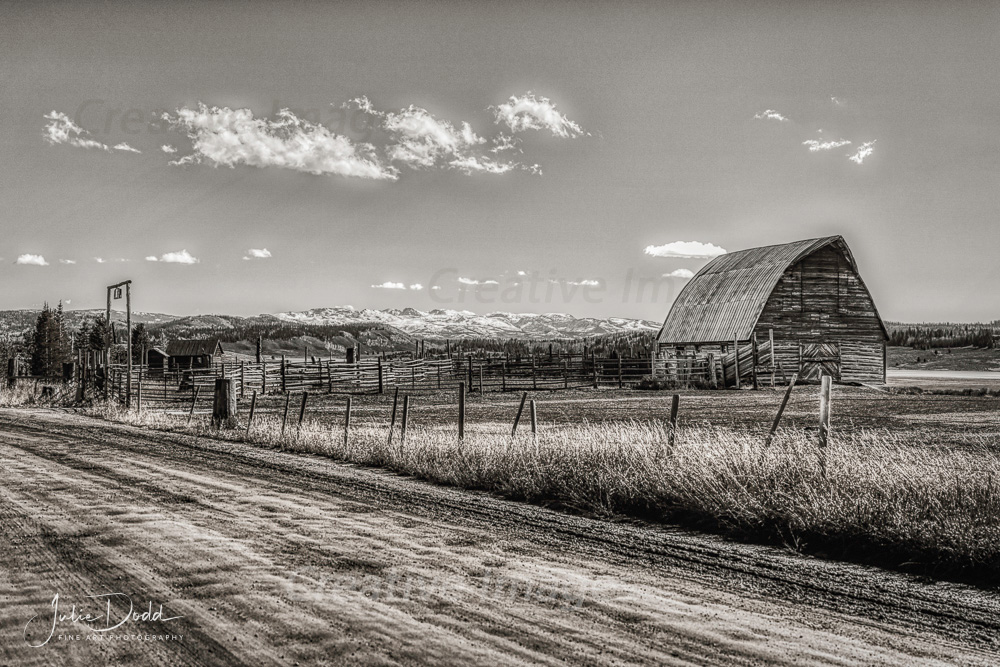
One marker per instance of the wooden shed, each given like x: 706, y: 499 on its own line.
x: 807, y: 296
x: 201, y: 353
x: 157, y: 359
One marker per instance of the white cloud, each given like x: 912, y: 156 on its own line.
x: 683, y: 274
x: 584, y: 283
x: 421, y: 140
x: 61, y: 130
x: 100, y: 260
x: 125, y: 147
x: 68, y: 301
x: 28, y: 258
x: 67, y: 261
x: 470, y: 281
x: 837, y: 101
x: 529, y: 112
x: 151, y: 258
x: 416, y: 286
x: 177, y: 257
x: 505, y: 142
x: 472, y: 164
x: 257, y: 253
x: 864, y: 150
x: 815, y: 146
x: 686, y: 250
x: 229, y: 137
x: 770, y: 114
x: 167, y: 148
x: 390, y: 285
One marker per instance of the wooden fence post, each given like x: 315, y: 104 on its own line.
x: 253, y: 407
x: 534, y: 419
x: 284, y: 419
x: 243, y: 375
x: 138, y: 394
x: 736, y: 360
x: 263, y: 377
x: 461, y: 411
x: 302, y: 410
x: 402, y: 426
x: 753, y: 361
x: 347, y: 420
x: 224, y: 404
x: 480, y: 378
x: 517, y: 418
x: 392, y: 420
x: 620, y: 385
x: 781, y: 410
x: 674, y: 405
x: 824, y: 419
x: 713, y: 380
x: 593, y: 359
x: 770, y: 339
x: 283, y: 384
x: 381, y: 385
x: 194, y: 401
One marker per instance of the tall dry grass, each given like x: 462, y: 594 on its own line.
x: 883, y: 499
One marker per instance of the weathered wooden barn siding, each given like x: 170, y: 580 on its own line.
x: 821, y: 300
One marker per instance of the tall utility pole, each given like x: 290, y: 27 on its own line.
x: 128, y: 332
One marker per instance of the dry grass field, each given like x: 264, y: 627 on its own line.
x: 911, y: 481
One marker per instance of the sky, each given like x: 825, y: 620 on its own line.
x: 518, y: 156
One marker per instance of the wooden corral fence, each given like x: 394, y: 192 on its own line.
x: 748, y: 363
x: 374, y: 376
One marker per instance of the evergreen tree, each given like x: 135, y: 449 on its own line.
x: 49, y: 346
x: 140, y: 341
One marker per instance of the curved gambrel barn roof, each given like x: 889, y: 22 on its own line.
x: 724, y: 300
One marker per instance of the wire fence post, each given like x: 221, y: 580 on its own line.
x: 461, y: 411
x: 392, y: 421
x: 520, y: 409
x: 253, y: 408
x: 347, y: 420
x: 781, y: 410
x: 194, y: 401
x: 672, y: 434
x: 284, y: 419
x: 402, y: 425
x: 824, y: 420
x: 302, y: 409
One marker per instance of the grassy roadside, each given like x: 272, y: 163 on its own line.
x: 926, y: 509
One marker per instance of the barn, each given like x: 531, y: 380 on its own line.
x: 200, y: 353
x: 798, y: 307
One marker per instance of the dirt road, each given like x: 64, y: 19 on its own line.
x: 263, y: 557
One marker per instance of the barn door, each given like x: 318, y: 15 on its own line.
x: 819, y: 359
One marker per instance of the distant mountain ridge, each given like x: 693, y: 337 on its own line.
x: 436, y: 323
x: 440, y: 323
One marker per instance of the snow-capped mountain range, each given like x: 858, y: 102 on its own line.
x: 466, y: 324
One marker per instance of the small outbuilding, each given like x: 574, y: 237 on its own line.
x: 798, y: 307
x: 157, y: 359
x: 201, y: 353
